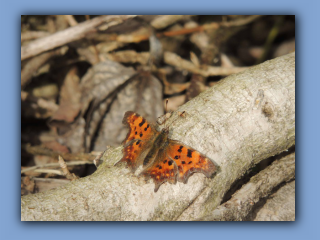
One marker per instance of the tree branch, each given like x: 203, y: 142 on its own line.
x: 69, y: 35
x: 243, y: 201
x: 245, y: 118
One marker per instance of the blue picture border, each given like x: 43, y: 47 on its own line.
x: 307, y: 79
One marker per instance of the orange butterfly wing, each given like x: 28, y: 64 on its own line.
x: 189, y: 161
x: 162, y: 170
x: 177, y: 162
x: 138, y: 139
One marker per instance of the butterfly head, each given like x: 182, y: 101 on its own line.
x: 165, y: 130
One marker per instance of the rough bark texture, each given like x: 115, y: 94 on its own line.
x: 280, y: 206
x: 244, y: 119
x: 240, y: 206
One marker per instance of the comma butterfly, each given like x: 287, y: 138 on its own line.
x: 163, y: 159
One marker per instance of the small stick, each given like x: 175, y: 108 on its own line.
x: 69, y: 35
x: 65, y: 170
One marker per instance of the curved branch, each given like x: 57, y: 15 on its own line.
x: 69, y: 35
x: 243, y: 201
x: 245, y: 118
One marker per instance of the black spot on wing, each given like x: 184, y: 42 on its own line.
x: 189, y: 154
x: 180, y: 149
x: 142, y: 122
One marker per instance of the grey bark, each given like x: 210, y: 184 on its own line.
x: 242, y: 203
x: 280, y: 206
x: 244, y: 119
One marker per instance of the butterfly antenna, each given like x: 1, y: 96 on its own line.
x: 166, y: 107
x: 166, y: 111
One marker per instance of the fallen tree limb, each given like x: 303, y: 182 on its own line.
x: 69, y: 35
x: 243, y: 201
x: 245, y: 118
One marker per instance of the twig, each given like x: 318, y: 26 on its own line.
x: 260, y: 186
x: 73, y: 163
x: 65, y: 170
x: 38, y: 150
x: 69, y: 35
x: 175, y: 60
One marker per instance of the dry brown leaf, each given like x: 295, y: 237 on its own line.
x: 69, y: 99
x: 142, y: 95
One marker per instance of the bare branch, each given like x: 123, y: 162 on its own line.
x: 243, y: 201
x: 69, y: 35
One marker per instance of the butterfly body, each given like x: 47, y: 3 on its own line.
x: 159, y: 143
x: 163, y: 159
